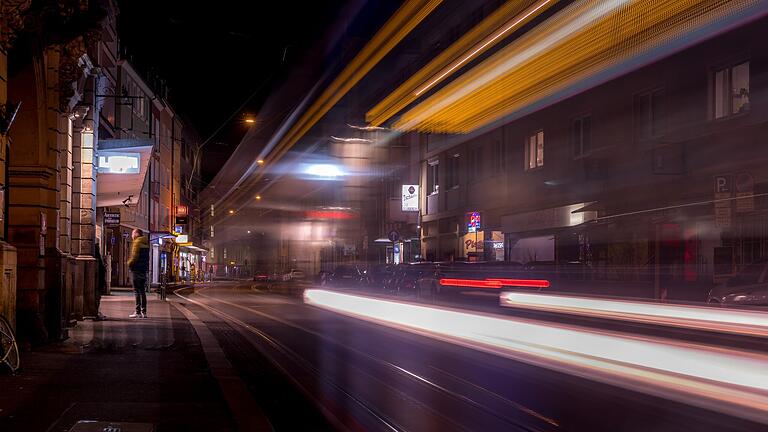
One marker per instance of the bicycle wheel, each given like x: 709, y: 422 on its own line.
x: 9, y: 351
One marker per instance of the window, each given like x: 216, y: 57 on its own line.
x: 581, y: 136
x: 498, y: 155
x: 534, y: 151
x: 475, y: 168
x: 452, y: 173
x: 433, y: 184
x: 731, y: 90
x: 649, y: 111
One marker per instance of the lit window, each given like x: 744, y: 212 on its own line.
x: 731, y: 90
x: 534, y: 150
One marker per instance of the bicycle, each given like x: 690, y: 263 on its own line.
x: 9, y: 350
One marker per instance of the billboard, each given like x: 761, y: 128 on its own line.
x: 410, y: 201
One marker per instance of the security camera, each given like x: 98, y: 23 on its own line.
x: 127, y: 201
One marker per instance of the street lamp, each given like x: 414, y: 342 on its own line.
x: 258, y: 197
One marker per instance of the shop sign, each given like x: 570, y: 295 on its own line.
x: 473, y: 222
x: 183, y: 238
x: 473, y: 243
x: 410, y: 201
x: 112, y: 219
x: 178, y: 229
x: 182, y: 210
x: 182, y: 220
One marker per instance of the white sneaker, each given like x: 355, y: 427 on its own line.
x: 135, y: 315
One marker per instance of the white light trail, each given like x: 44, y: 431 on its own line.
x: 698, y: 317
x: 723, y: 380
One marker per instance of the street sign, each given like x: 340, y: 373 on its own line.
x: 723, y: 193
x: 182, y: 210
x: 394, y: 236
x: 112, y: 219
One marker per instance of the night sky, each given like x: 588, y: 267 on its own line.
x: 213, y: 56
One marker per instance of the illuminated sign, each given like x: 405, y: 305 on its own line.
x: 410, y: 198
x: 183, y: 238
x: 473, y: 222
x: 119, y: 163
x: 111, y: 218
x: 178, y: 229
x: 182, y: 210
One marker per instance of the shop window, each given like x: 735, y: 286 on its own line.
x: 534, y: 151
x: 731, y: 90
x: 581, y: 136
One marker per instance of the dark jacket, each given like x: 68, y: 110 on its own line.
x: 139, y: 261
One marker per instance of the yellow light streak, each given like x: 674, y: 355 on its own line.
x: 584, y: 38
x: 480, y: 38
x: 493, y: 38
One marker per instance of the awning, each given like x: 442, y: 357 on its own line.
x: 194, y: 248
x: 121, y: 171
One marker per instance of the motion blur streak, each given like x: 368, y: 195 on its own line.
x: 495, y: 283
x: 492, y: 30
x: 718, y: 379
x: 407, y: 17
x: 472, y: 283
x: 588, y: 40
x: 704, y: 318
x: 529, y: 283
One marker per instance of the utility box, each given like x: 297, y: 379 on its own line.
x: 102, y: 426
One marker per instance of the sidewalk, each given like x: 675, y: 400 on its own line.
x: 124, y: 370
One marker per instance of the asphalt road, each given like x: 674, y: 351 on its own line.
x: 357, y: 375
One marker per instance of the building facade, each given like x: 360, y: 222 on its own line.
x: 653, y: 177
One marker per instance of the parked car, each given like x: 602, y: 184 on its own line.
x: 260, y: 276
x: 293, y: 274
x: 749, y: 287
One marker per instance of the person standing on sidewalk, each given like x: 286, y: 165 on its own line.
x: 139, y: 266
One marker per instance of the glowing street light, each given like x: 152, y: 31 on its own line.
x: 260, y: 161
x: 231, y: 212
x: 258, y: 197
